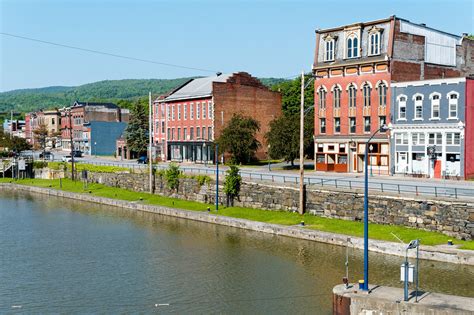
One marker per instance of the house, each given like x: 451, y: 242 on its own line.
x: 433, y: 128
x: 355, y: 66
x: 95, y: 127
x: 190, y: 118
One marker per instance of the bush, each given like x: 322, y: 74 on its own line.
x: 202, y: 179
x: 232, y: 184
x: 40, y: 164
x: 172, y: 175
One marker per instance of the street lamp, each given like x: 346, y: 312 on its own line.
x: 95, y: 148
x: 366, y: 207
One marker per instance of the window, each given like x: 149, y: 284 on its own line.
x: 401, y: 138
x: 191, y: 133
x: 198, y: 110
x: 435, y: 138
x: 337, y: 125
x: 453, y: 104
x: 366, y: 124
x: 418, y: 138
x: 435, y: 105
x: 322, y: 125
x: 352, y: 95
x: 402, y: 107
x: 168, y: 108
x: 382, y: 120
x: 162, y: 127
x: 204, y: 110
x: 329, y: 50
x: 169, y: 134
x: 382, y: 94
x: 204, y: 133
x: 209, y: 133
x: 418, y: 106
x: 163, y: 110
x: 198, y: 133
x: 172, y: 133
x: 453, y: 138
x: 185, y: 133
x: 366, y: 94
x: 179, y: 133
x: 374, y: 44
x: 172, y: 112
x: 179, y: 111
x: 352, y: 125
x: 210, y: 110
x: 185, y: 111
x: 336, y: 97
x: 352, y: 46
x: 322, y: 98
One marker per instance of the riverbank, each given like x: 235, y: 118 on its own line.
x: 132, y: 200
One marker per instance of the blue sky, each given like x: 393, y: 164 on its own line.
x: 264, y: 38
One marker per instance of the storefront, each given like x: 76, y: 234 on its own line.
x: 198, y: 152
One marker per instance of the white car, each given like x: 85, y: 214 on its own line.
x: 67, y: 158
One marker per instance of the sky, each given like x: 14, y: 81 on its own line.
x: 265, y: 38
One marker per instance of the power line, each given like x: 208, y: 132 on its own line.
x: 107, y: 53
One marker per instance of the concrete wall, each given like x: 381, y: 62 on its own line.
x: 454, y: 218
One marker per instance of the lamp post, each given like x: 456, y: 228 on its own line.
x: 217, y: 176
x: 366, y: 207
x: 95, y: 148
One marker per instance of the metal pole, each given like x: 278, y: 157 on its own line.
x: 72, y: 145
x: 150, y: 129
x: 217, y: 176
x: 405, y: 287
x: 301, y: 197
x: 416, y: 292
x: 366, y: 219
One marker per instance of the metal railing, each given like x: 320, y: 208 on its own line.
x: 351, y: 184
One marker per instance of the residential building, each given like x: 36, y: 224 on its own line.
x: 51, y: 119
x: 82, y: 118
x: 191, y: 117
x: 433, y: 123
x: 355, y: 66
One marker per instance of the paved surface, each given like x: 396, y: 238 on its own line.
x: 393, y: 296
x: 277, y: 173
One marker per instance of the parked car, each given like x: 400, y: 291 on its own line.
x: 77, y: 153
x: 67, y: 158
x: 46, y: 155
x: 142, y: 160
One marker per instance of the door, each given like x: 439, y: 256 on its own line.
x: 353, y: 161
x: 437, y: 169
x: 402, y: 165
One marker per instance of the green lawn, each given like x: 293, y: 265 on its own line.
x: 353, y: 228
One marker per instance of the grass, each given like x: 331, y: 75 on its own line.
x: 89, y: 167
x: 353, y: 228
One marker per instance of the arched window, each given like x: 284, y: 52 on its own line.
x: 382, y: 89
x: 336, y: 97
x: 352, y: 46
x: 453, y: 104
x: 329, y: 50
x: 435, y: 105
x: 322, y: 97
x: 366, y: 89
x: 352, y: 91
x: 402, y: 107
x: 418, y: 98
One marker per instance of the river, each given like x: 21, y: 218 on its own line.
x: 60, y: 255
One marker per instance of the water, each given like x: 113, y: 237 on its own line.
x: 60, y: 255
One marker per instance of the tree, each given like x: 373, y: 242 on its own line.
x: 238, y: 138
x: 13, y: 144
x: 232, y: 184
x: 284, y: 137
x: 291, y: 95
x: 41, y: 136
x: 136, y: 133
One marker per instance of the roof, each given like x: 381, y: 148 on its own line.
x: 196, y: 88
x: 108, y: 105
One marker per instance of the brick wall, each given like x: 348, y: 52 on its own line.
x: 246, y: 95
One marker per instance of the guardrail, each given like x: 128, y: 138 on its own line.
x: 437, y: 191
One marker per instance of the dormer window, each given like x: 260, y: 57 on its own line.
x: 352, y: 45
x: 329, y: 49
x: 374, y: 41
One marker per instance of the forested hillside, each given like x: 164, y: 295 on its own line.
x: 26, y: 100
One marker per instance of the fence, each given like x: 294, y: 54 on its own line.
x: 429, y: 190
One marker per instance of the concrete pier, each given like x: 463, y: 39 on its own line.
x: 388, y: 300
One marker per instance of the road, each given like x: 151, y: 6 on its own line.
x: 277, y: 174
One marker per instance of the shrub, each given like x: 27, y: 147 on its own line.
x: 40, y: 164
x: 172, y: 175
x: 202, y: 179
x: 232, y: 183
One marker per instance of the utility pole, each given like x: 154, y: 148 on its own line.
x: 301, y: 203
x: 150, y: 142
x: 11, y: 124
x: 72, y: 145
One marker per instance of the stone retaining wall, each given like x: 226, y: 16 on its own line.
x: 451, y: 217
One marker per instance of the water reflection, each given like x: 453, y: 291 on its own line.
x: 81, y: 257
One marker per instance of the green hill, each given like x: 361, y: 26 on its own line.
x: 26, y: 100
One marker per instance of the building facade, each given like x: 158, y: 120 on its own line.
x: 355, y: 66
x: 51, y: 119
x: 190, y: 118
x: 431, y: 119
x: 81, y: 119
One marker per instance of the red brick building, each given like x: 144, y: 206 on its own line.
x: 355, y: 65
x: 189, y: 119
